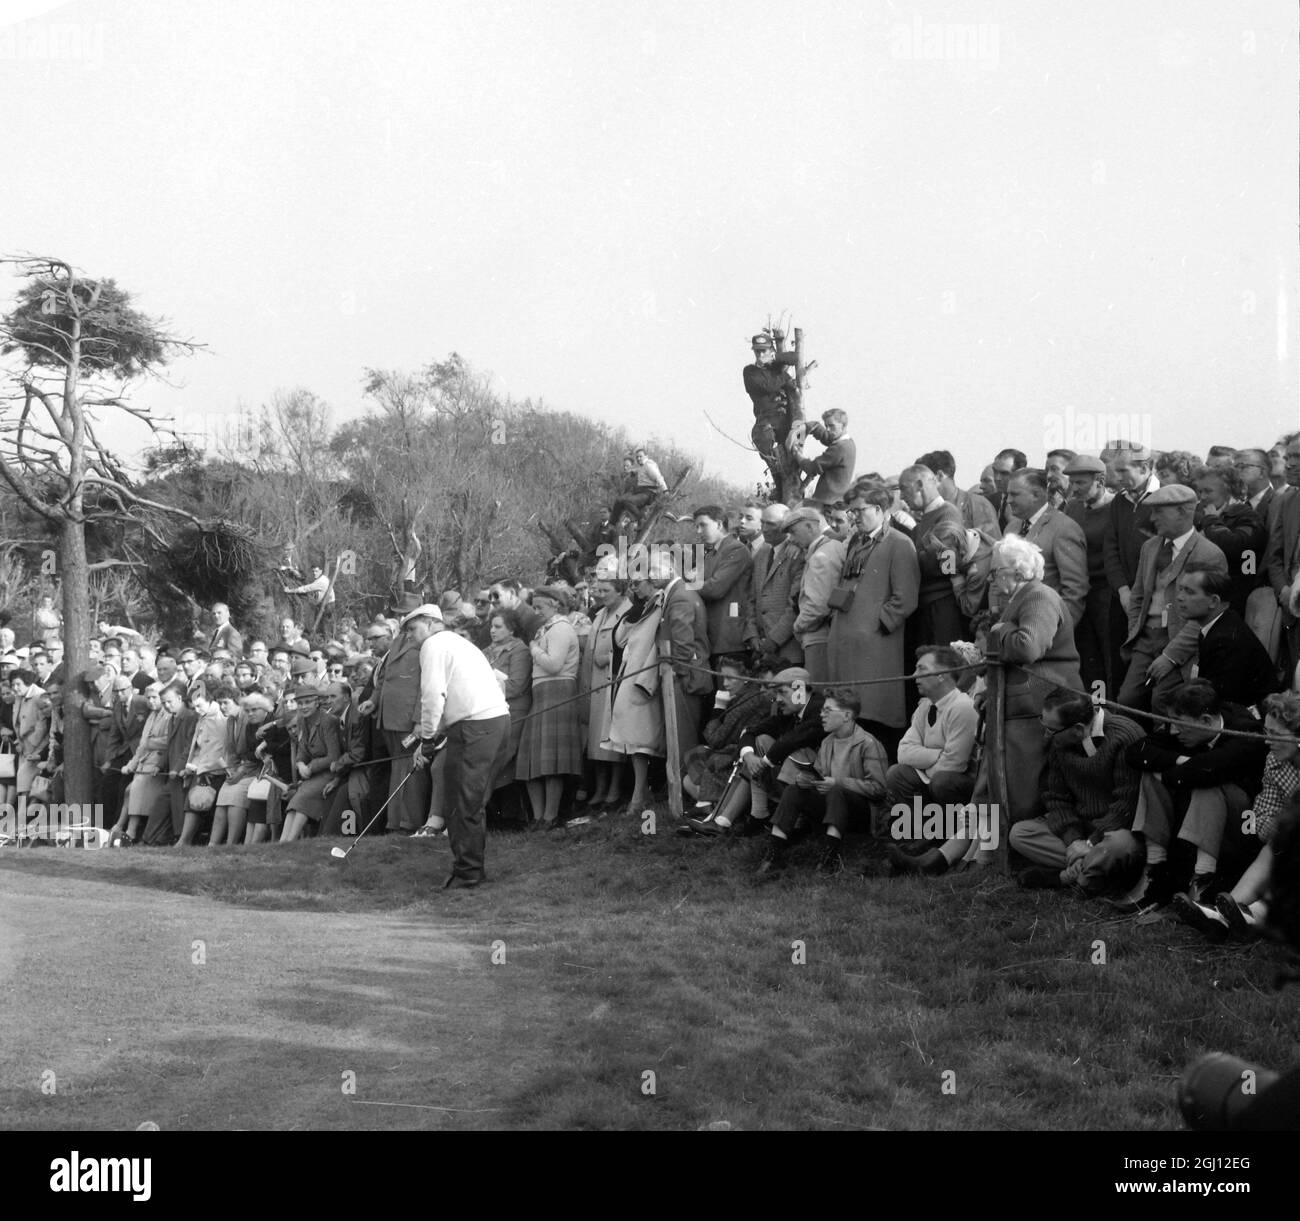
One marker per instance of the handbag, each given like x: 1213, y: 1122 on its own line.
x: 259, y: 789
x: 40, y: 790
x: 8, y: 766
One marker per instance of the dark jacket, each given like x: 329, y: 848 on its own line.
x: 1223, y: 760
x: 790, y: 731
x: 726, y: 590
x: 1240, y: 533
x: 1232, y: 660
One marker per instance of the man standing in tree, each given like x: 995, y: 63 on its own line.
x: 774, y: 393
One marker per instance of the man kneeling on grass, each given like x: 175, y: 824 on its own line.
x: 841, y: 787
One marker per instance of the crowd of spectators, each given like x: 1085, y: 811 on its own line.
x: 826, y: 670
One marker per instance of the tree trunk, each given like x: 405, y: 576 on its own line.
x: 78, y: 759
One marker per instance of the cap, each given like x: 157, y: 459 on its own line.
x: 791, y: 675
x: 761, y: 343
x: 306, y: 691
x: 425, y: 610
x: 1171, y: 494
x: 803, y: 513
x: 1084, y: 465
x: 450, y: 601
x: 301, y: 665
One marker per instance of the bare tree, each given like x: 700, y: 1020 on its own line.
x: 74, y: 344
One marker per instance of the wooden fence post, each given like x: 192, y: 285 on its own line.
x: 995, y: 743
x: 667, y: 685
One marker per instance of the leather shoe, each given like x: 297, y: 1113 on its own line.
x: 1203, y: 919
x: 456, y: 882
x: 705, y: 826
x: 930, y: 863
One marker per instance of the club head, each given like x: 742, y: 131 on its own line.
x: 339, y: 854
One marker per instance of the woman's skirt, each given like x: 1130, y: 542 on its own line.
x: 551, y: 742
x: 145, y: 794
x: 234, y: 793
x: 309, y: 798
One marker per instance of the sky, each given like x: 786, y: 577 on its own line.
x: 998, y: 224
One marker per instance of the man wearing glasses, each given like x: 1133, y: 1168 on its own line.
x: 1253, y: 467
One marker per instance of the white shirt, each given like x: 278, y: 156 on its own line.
x: 1181, y: 541
x: 456, y: 684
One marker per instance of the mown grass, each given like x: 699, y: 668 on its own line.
x: 953, y: 1003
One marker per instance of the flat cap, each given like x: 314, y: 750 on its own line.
x: 803, y: 513
x: 1084, y: 465
x: 1172, y: 494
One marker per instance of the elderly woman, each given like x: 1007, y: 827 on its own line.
x: 512, y: 663
x: 636, y: 723
x: 146, y: 767
x: 1224, y: 518
x: 597, y: 673
x: 1034, y: 638
x: 550, y: 747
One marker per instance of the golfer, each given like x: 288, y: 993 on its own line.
x: 460, y: 697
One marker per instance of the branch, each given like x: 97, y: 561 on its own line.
x: 102, y: 564
x: 122, y: 490
x: 19, y: 489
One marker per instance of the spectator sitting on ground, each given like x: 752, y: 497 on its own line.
x: 793, y: 729
x: 936, y: 757
x: 1242, y: 910
x: 1196, y: 782
x: 743, y: 701
x: 845, y: 786
x: 1083, y: 838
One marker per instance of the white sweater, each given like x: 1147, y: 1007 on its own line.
x: 456, y: 684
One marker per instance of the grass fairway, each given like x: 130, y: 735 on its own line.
x: 640, y: 982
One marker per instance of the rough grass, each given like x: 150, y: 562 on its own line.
x: 955, y: 1003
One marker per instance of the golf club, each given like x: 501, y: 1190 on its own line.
x: 341, y: 854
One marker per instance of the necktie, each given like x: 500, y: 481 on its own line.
x: 932, y: 716
x: 1024, y: 526
x: 1166, y: 556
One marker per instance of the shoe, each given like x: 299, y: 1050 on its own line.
x: 1154, y: 889
x: 930, y: 863
x: 458, y: 883
x: 749, y: 826
x: 1204, y: 887
x: 1242, y: 923
x: 773, y: 859
x: 831, y: 860
x: 1040, y: 877
x: 126, y: 841
x: 705, y: 826
x: 1203, y: 919
x: 427, y: 832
